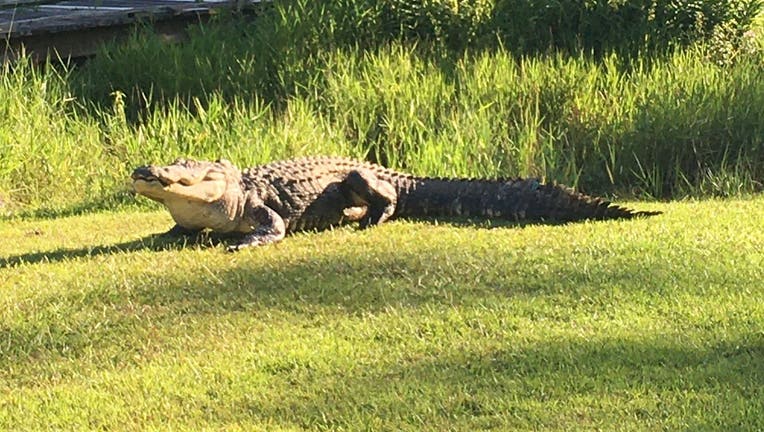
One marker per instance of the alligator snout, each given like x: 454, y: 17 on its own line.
x: 143, y: 172
x: 150, y: 173
x: 171, y: 174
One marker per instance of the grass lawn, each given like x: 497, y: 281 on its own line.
x: 637, y: 325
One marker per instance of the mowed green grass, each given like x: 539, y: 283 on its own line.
x: 632, y: 325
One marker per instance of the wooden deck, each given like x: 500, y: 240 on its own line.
x: 75, y: 28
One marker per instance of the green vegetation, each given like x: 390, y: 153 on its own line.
x: 306, y: 78
x: 652, y: 324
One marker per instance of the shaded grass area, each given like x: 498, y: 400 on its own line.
x: 417, y: 326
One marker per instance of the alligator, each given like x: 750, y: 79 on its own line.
x: 260, y: 205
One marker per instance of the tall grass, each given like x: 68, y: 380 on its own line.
x: 528, y: 26
x: 660, y: 130
x: 49, y: 152
x: 657, y: 125
x: 279, y: 54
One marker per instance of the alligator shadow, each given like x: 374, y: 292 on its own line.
x: 159, y: 242
x: 465, y: 222
x: 117, y: 200
x: 154, y: 242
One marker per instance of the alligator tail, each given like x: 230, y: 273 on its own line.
x: 537, y: 201
x: 516, y: 200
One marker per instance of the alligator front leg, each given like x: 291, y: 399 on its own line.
x: 270, y: 228
x: 363, y: 189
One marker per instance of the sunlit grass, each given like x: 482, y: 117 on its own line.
x: 633, y: 325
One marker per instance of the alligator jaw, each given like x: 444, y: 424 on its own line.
x: 173, y: 181
x: 170, y: 174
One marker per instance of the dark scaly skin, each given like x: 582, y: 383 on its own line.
x: 264, y: 203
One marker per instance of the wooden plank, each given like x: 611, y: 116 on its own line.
x: 70, y: 20
x: 78, y: 28
x: 49, y: 11
x: 72, y: 15
x: 21, y: 3
x: 12, y: 3
x: 86, y: 42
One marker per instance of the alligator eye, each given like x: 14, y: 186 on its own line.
x: 215, y: 175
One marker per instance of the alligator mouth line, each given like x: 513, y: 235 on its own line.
x: 150, y: 178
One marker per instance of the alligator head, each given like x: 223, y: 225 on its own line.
x: 198, y: 194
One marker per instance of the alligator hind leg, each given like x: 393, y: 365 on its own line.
x: 363, y: 189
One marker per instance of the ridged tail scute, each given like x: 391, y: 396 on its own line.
x: 564, y: 204
x: 515, y: 200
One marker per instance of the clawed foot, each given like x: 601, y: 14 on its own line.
x: 376, y: 216
x: 256, y: 238
x: 239, y: 246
